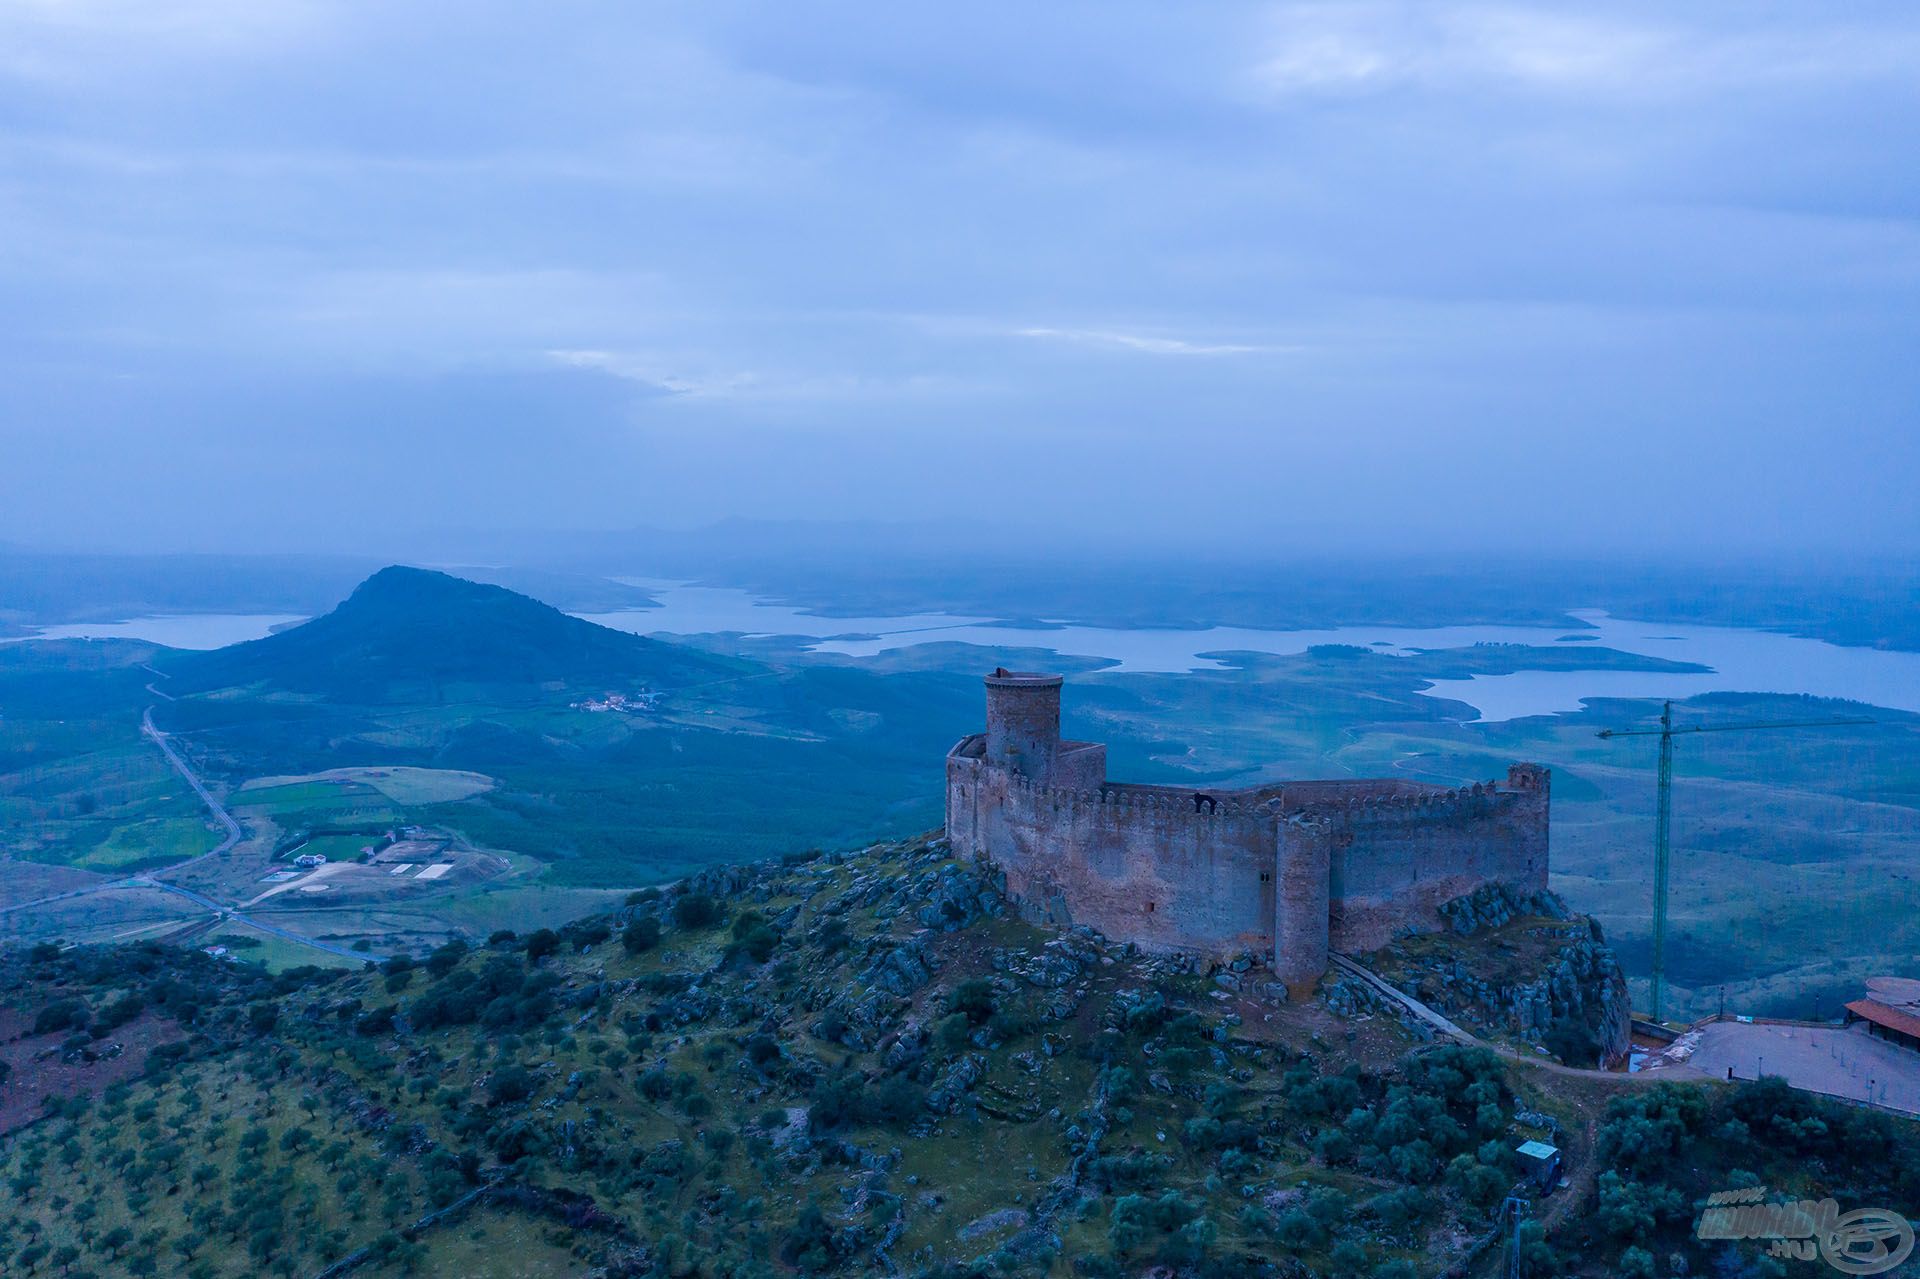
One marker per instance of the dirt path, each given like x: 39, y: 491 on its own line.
x: 1455, y: 1033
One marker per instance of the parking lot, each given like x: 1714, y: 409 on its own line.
x: 1844, y: 1062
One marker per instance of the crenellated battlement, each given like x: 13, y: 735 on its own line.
x: 1362, y: 805
x: 1475, y: 800
x: 1296, y: 866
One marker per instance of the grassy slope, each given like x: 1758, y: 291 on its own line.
x: 749, y: 1117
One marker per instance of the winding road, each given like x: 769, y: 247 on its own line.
x: 234, y: 834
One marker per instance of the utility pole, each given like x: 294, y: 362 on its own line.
x: 1515, y: 1210
x: 1663, y: 813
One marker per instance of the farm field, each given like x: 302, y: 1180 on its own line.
x: 250, y: 945
x: 80, y: 786
x: 148, y: 843
x: 334, y: 847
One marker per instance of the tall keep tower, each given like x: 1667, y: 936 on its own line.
x: 1023, y: 723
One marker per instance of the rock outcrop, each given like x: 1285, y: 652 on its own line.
x: 1520, y: 964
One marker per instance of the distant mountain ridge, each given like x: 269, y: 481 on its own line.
x: 412, y: 633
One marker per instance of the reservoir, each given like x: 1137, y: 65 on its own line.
x: 1741, y: 660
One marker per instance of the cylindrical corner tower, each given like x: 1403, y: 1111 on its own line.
x: 1023, y: 723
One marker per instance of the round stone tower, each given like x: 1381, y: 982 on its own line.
x: 1023, y: 723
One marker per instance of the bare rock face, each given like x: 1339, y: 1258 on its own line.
x: 1492, y: 905
x: 1523, y: 965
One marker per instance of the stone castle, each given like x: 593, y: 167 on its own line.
x: 1295, y: 868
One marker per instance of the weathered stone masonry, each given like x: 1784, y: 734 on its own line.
x: 1297, y: 867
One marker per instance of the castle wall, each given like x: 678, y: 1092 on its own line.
x: 1080, y: 766
x: 1346, y: 790
x: 1300, y: 867
x: 1394, y: 862
x: 1153, y: 871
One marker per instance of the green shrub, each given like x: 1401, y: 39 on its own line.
x: 61, y: 1014
x: 642, y: 935
x: 695, y: 910
x: 508, y: 1085
x: 972, y: 999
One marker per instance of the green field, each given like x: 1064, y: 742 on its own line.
x: 156, y: 841
x: 337, y: 847
x: 307, y: 796
x: 250, y: 945
x: 79, y: 784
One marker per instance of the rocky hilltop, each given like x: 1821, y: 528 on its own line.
x: 1519, y: 967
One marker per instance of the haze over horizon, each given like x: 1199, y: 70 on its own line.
x: 1378, y: 276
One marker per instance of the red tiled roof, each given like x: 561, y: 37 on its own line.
x: 1881, y: 1015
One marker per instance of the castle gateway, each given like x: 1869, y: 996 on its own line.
x: 1299, y: 868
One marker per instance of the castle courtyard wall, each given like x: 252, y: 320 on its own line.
x: 1394, y: 863
x: 1297, y: 869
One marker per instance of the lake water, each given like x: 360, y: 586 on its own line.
x: 181, y: 630
x: 1741, y: 660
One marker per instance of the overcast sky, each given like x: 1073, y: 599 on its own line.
x: 288, y: 275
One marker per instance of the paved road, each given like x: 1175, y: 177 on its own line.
x: 227, y: 912
x: 153, y: 880
x: 234, y: 833
x: 234, y: 836
x: 146, y: 666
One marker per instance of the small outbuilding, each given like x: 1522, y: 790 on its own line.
x: 1541, y: 1162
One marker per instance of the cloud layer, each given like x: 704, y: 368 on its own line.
x: 1435, y: 274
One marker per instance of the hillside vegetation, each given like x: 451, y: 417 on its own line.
x: 413, y: 635
x: 844, y: 1064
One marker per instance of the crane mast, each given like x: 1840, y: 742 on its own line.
x: 1663, y: 814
